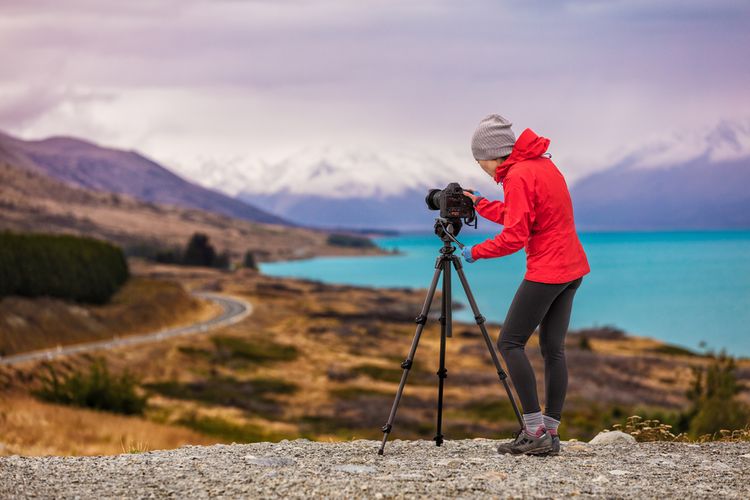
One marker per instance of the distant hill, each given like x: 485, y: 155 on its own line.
x: 697, y: 194
x: 406, y: 211
x: 328, y: 187
x: 86, y: 165
x: 33, y: 202
x: 697, y: 180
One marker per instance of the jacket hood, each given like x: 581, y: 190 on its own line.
x: 527, y: 147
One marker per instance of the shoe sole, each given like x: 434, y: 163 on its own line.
x: 540, y: 451
x: 551, y: 453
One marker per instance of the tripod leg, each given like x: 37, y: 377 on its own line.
x: 406, y: 365
x: 445, y: 331
x: 480, y: 321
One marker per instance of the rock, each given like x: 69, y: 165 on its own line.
x: 355, y: 469
x: 494, y: 475
x: 619, y: 472
x: 269, y: 461
x: 613, y: 437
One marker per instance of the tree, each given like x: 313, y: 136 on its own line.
x: 713, y: 395
x: 223, y: 260
x: 168, y: 256
x: 199, y: 251
x: 249, y: 260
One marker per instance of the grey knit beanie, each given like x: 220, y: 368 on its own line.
x: 493, y: 138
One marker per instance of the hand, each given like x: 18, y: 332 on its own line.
x: 466, y: 254
x: 473, y: 194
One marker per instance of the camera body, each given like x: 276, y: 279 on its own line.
x: 454, y: 207
x: 452, y: 203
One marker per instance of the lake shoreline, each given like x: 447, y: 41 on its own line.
x: 683, y: 287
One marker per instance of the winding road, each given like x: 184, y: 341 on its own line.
x: 233, y: 310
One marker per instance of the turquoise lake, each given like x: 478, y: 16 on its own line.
x: 681, y: 287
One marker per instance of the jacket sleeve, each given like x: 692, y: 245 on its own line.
x: 518, y: 217
x: 491, y: 210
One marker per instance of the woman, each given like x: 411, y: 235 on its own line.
x: 537, y: 215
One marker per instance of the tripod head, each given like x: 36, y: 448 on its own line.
x: 447, y: 229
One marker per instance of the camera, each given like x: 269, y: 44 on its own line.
x: 452, y: 203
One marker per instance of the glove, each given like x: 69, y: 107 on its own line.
x: 466, y: 254
x: 477, y: 195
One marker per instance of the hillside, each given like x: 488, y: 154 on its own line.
x: 693, y: 181
x: 698, y: 194
x: 86, y: 165
x: 141, y: 305
x: 322, y: 361
x: 34, y: 202
x: 328, y: 187
x: 701, y: 193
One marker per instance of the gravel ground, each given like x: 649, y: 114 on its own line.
x: 468, y: 468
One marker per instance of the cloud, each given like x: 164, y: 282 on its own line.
x: 20, y: 106
x: 259, y: 79
x: 726, y: 140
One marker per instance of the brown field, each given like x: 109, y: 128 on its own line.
x: 142, y: 305
x: 322, y: 361
x: 31, y: 202
x: 31, y: 427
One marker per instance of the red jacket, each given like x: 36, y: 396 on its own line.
x: 537, y: 214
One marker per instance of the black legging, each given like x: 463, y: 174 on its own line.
x: 547, y: 306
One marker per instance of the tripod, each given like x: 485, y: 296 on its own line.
x: 443, y: 265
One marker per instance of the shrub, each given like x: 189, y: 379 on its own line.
x: 715, y: 413
x: 223, y: 260
x: 249, y: 261
x: 713, y: 395
x: 349, y: 240
x: 584, y: 344
x: 654, y: 430
x: 64, y: 266
x: 648, y: 430
x: 230, y: 431
x: 173, y: 256
x: 260, y: 350
x: 95, y: 388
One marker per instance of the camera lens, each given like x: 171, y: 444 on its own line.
x: 433, y: 199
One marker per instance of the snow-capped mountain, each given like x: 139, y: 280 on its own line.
x: 341, y: 173
x: 726, y: 141
x: 707, y: 171
x: 689, y: 181
x: 334, y: 187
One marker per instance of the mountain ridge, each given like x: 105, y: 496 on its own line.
x: 691, y: 181
x: 33, y: 202
x: 87, y: 165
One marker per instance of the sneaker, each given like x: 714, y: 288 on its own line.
x: 555, y: 446
x: 504, y: 448
x: 527, y: 444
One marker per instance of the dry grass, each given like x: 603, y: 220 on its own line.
x: 349, y: 343
x: 30, y: 427
x: 654, y: 430
x: 142, y: 305
x: 31, y: 202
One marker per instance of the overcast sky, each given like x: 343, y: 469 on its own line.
x: 194, y: 83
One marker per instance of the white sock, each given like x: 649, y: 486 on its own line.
x: 532, y: 422
x: 551, y: 424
